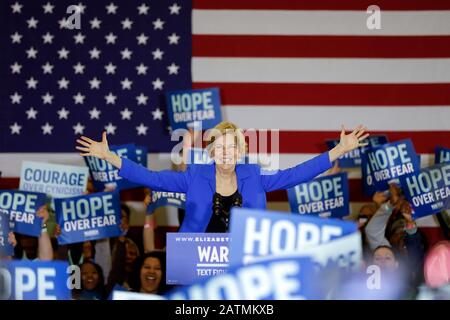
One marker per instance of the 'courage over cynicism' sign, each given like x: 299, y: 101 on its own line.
x: 428, y: 190
x: 190, y: 106
x: 56, y: 180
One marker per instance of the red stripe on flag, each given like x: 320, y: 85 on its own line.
x: 320, y: 46
x: 314, y: 141
x: 431, y: 94
x: 321, y: 5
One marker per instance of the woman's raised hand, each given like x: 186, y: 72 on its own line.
x: 353, y: 140
x: 89, y: 147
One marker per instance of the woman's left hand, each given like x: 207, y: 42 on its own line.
x: 353, y: 140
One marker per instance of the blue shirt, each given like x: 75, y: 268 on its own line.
x: 199, y: 184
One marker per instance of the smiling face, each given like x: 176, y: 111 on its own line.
x: 89, y: 276
x: 225, y: 151
x: 385, y: 259
x: 151, y: 275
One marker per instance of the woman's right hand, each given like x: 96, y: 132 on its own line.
x: 99, y: 150
x: 93, y: 148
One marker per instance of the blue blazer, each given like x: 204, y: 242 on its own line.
x: 199, y: 184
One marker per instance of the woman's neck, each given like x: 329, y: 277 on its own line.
x: 225, y: 174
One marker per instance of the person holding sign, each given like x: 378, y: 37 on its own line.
x: 225, y: 182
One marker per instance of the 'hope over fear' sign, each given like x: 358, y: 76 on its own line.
x: 91, y: 217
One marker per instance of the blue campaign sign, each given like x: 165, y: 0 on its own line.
x: 441, y: 155
x: 367, y: 178
x: 6, y: 249
x: 185, y: 107
x: 90, y: 217
x: 163, y: 199
x: 35, y: 280
x: 257, y: 233
x: 142, y: 155
x: 104, y: 174
x: 22, y: 207
x: 390, y: 161
x: 428, y: 190
x: 353, y: 158
x: 279, y: 279
x: 55, y: 180
x: 195, y: 256
x: 326, y: 196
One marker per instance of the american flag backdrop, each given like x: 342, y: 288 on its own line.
x: 304, y: 67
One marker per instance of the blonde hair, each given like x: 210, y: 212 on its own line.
x: 223, y: 128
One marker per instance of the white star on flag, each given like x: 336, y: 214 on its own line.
x: 111, y: 38
x: 94, y: 113
x: 47, y: 38
x: 95, y: 83
x: 48, y: 8
x: 47, y: 128
x: 94, y: 53
x: 126, y: 54
x: 47, y: 68
x: 110, y: 129
x: 142, y: 39
x: 126, y: 84
x: 157, y: 114
x: 95, y: 23
x: 47, y: 98
x: 15, y: 68
x: 31, y: 53
x: 15, y: 128
x: 31, y: 113
x: 81, y: 8
x: 173, y: 68
x: 32, y: 83
x: 110, y: 98
x: 78, y: 128
x: 158, y: 24
x: 126, y: 114
x: 173, y: 38
x: 141, y: 69
x: 63, y: 113
x: 141, y: 129
x: 143, y: 9
x: 78, y: 68
x: 126, y: 24
x: 16, y: 7
x: 15, y: 98
x: 63, y: 83
x: 32, y: 23
x: 63, y: 23
x: 63, y: 53
x: 157, y: 54
x: 174, y: 9
x: 79, y: 98
x: 111, y: 8
x: 16, y: 37
x: 110, y: 68
x: 158, y: 84
x: 79, y: 38
x: 141, y: 99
